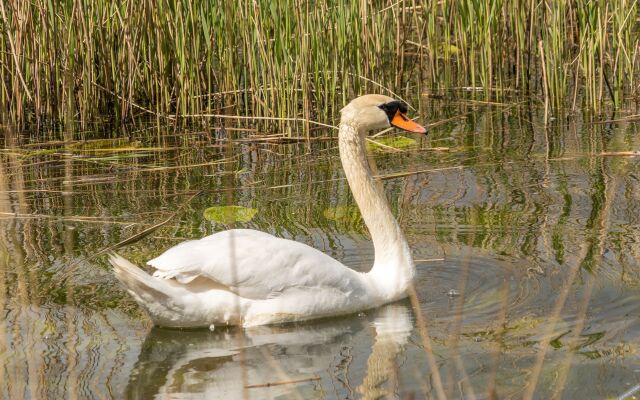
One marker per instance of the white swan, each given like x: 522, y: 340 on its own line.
x: 247, y: 277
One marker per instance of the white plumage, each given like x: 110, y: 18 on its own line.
x: 247, y: 277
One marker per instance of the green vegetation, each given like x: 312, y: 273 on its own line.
x: 82, y: 60
x: 229, y: 214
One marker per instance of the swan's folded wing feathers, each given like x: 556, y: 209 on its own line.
x: 178, y: 262
x: 251, y: 263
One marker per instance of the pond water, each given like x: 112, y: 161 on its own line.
x: 526, y: 240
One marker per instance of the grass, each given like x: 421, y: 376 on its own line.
x: 81, y: 60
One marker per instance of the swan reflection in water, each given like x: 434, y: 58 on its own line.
x: 302, y: 360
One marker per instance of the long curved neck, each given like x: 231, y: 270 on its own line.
x: 393, y: 268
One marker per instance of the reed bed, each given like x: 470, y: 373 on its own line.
x: 89, y: 60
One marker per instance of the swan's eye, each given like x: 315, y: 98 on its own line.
x: 391, y: 107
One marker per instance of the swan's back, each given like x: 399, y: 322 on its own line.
x: 254, y: 265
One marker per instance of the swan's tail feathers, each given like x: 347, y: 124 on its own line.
x: 155, y: 295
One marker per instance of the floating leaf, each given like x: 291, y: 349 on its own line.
x: 557, y: 343
x: 396, y: 142
x: 117, y: 157
x: 36, y: 153
x: 592, y: 355
x: 104, y: 144
x: 591, y: 339
x: 229, y: 214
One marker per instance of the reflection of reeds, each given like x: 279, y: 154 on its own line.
x: 294, y: 58
x: 20, y: 237
x: 464, y: 383
x: 72, y: 366
x: 427, y: 346
x: 589, y: 256
x: 5, y: 381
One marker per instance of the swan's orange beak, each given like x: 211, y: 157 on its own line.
x: 401, y: 121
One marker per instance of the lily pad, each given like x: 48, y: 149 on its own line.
x: 229, y: 214
x: 117, y: 157
x: 396, y: 142
x: 105, y: 144
x: 36, y: 153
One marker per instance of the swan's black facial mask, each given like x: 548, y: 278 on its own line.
x: 392, y: 107
x: 397, y: 114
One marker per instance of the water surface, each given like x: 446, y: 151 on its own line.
x: 526, y: 241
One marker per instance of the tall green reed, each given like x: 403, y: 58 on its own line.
x: 85, y: 60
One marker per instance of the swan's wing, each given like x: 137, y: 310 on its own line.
x: 253, y: 264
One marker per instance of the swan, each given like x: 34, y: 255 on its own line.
x: 247, y: 277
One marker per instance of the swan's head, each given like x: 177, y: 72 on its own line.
x: 376, y: 111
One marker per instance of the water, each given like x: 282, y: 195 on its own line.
x: 526, y: 241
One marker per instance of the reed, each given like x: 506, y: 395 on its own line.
x: 86, y: 60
